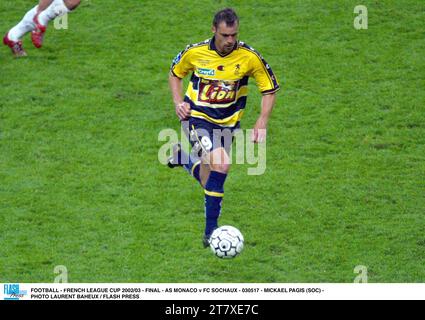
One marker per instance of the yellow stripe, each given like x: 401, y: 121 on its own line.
x: 193, y: 46
x: 261, y: 62
x: 214, y: 194
x: 191, y: 93
x: 226, y: 122
x: 194, y: 166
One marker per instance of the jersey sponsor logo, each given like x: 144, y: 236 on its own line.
x: 206, y: 72
x: 217, y: 91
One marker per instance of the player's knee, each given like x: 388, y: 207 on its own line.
x: 72, y: 4
x: 222, y: 167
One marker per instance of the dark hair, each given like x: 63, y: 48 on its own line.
x: 227, y: 15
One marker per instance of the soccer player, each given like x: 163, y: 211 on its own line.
x: 35, y: 21
x: 214, y: 103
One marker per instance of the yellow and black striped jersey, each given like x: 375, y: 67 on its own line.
x: 218, y: 87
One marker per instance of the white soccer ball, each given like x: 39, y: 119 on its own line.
x: 226, y: 242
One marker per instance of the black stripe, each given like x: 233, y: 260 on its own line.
x: 195, y: 81
x: 271, y: 74
x: 188, y: 47
x: 219, y: 113
x: 243, y: 81
x: 175, y: 74
x: 271, y: 91
x: 269, y: 70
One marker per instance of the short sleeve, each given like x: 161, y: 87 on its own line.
x: 263, y: 74
x: 182, y: 65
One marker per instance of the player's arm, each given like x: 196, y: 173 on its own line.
x: 260, y: 128
x: 176, y: 87
x: 179, y: 69
x: 268, y: 85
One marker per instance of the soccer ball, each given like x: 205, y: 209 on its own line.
x: 226, y: 242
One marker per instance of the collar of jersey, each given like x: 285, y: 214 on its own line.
x: 213, y: 47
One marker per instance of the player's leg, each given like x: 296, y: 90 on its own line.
x: 208, y: 163
x: 56, y: 8
x: 204, y: 173
x: 219, y: 165
x: 190, y: 162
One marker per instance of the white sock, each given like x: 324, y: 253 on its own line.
x: 56, y: 9
x: 26, y: 25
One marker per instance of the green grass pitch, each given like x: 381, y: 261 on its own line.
x: 81, y: 185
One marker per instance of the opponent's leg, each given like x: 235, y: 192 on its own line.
x: 57, y: 8
x: 72, y: 4
x: 23, y: 27
x: 13, y: 38
x: 43, y: 5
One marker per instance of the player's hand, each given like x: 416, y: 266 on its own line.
x: 259, y: 132
x: 183, y: 110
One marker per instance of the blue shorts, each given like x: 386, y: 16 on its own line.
x: 205, y: 136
